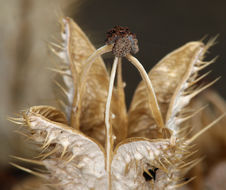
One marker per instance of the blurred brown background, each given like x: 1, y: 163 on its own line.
x: 27, y: 25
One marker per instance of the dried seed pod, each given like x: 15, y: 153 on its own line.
x: 91, y: 151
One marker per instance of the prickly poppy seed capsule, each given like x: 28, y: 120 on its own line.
x: 124, y: 41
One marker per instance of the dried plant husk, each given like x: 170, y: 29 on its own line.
x: 74, y: 151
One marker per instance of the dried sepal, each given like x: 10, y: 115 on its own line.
x: 172, y: 78
x: 141, y: 163
x: 185, y: 89
x: 85, y: 172
x: 49, y: 113
x: 89, y: 83
x: 77, y: 49
x: 132, y: 157
x: 71, y: 148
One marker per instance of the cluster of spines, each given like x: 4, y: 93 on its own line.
x: 57, y: 144
x: 188, y: 91
x: 64, y: 69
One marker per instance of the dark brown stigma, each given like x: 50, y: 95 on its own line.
x: 124, y: 41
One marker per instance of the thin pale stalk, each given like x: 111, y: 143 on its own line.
x: 88, y: 63
x: 156, y: 113
x: 87, y: 66
x: 121, y: 99
x: 109, y: 140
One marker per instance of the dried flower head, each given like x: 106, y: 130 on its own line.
x: 97, y: 144
x: 124, y: 41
